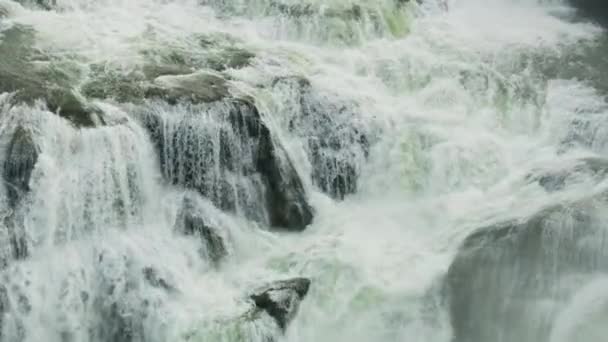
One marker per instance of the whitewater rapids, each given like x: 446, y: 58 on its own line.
x: 461, y: 102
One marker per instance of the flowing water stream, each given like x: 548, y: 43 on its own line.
x: 358, y: 143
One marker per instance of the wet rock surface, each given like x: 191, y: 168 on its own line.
x: 501, y: 272
x: 336, y: 139
x: 228, y: 154
x: 191, y: 222
x: 281, y: 299
x: 21, y: 157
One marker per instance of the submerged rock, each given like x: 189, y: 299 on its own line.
x: 190, y: 222
x: 337, y: 141
x: 155, y: 280
x: 281, y: 299
x: 225, y: 151
x: 4, y: 307
x: 509, y: 280
x: 19, y: 162
x: 586, y: 168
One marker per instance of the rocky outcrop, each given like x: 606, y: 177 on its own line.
x: 20, y: 159
x: 31, y: 79
x: 190, y: 222
x: 281, y: 299
x: 505, y: 276
x: 337, y: 141
x: 226, y: 152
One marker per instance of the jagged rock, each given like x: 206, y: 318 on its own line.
x: 227, y: 153
x: 44, y: 4
x: 595, y: 168
x: 504, y: 276
x: 20, y: 160
x: 337, y: 142
x: 281, y: 299
x: 192, y: 223
x: 155, y: 280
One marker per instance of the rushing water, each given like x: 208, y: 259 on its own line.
x: 410, y: 125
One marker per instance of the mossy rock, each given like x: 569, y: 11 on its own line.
x: 199, y: 87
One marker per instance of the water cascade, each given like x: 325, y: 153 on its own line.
x: 282, y: 170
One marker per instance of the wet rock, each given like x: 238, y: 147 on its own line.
x: 230, y: 58
x: 106, y: 83
x: 226, y: 152
x: 196, y: 88
x: 44, y: 4
x: 510, y: 279
x: 20, y: 160
x: 596, y: 10
x: 281, y: 299
x: 337, y: 141
x: 32, y: 80
x: 4, y: 307
x: 155, y: 280
x: 584, y: 169
x: 190, y: 222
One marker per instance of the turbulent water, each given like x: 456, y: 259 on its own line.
x: 435, y: 168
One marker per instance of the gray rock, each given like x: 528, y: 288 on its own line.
x: 337, y: 142
x: 24, y: 71
x: 281, y: 299
x: 508, y: 280
x: 190, y: 222
x: 20, y: 160
x: 197, y: 87
x: 229, y: 155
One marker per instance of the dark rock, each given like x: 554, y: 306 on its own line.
x: 281, y: 299
x: 338, y: 143
x: 44, y: 4
x: 20, y: 160
x: 227, y: 154
x: 596, y: 10
x: 155, y: 280
x: 4, y: 307
x: 192, y: 223
x: 504, y: 276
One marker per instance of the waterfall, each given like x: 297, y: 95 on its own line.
x: 281, y: 170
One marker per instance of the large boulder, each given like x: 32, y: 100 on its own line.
x: 226, y: 152
x: 281, y: 299
x: 337, y: 141
x: 29, y: 74
x: 509, y: 280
